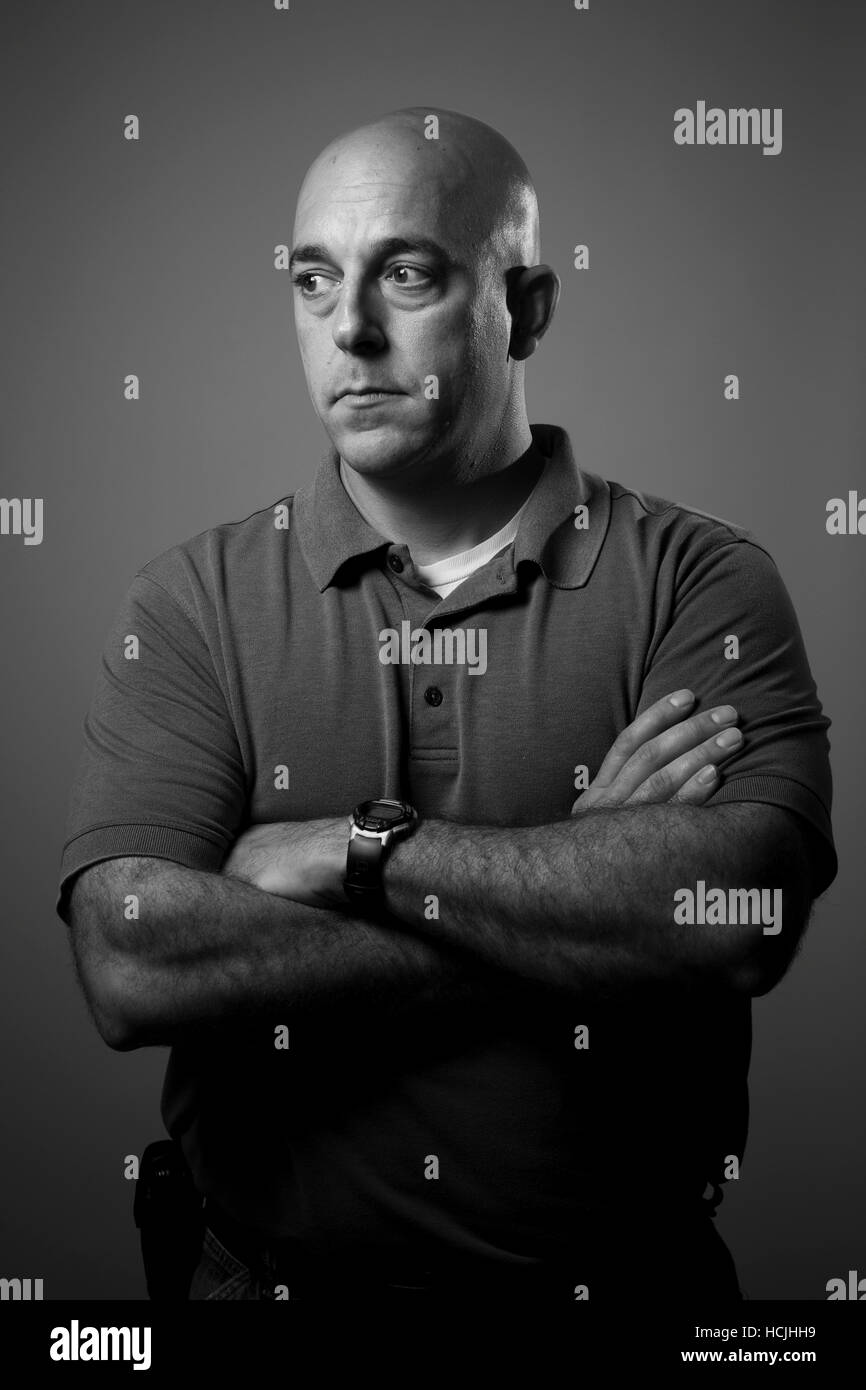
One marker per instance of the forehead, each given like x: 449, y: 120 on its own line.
x: 367, y: 193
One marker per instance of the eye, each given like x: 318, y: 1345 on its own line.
x: 304, y: 281
x: 402, y: 274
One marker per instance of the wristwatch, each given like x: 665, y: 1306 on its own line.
x: 373, y: 825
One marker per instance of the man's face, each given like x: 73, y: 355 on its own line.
x: 389, y: 296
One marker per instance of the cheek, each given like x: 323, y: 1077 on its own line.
x: 452, y: 346
x: 485, y: 365
x: 311, y: 351
x: 467, y: 352
x: 491, y: 330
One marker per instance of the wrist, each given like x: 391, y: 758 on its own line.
x: 404, y: 896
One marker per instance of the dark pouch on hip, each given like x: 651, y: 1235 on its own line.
x: 169, y: 1214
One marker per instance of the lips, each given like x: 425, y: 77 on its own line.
x: 370, y: 390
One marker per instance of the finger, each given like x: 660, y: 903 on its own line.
x: 647, y: 725
x: 659, y: 752
x: 667, y: 782
x: 698, y: 789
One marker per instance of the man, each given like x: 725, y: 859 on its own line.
x: 484, y: 1048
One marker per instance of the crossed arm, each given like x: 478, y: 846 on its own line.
x: 592, y: 900
x: 584, y: 904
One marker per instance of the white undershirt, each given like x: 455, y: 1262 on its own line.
x: 445, y: 575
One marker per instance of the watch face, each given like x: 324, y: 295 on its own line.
x: 381, y: 815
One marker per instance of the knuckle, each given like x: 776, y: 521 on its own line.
x: 658, y: 787
x: 645, y: 756
x: 691, y: 731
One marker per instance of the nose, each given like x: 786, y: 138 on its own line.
x: 355, y: 323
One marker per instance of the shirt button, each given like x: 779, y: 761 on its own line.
x: 433, y: 695
x: 396, y: 563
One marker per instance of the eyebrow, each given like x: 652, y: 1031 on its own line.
x: 388, y: 246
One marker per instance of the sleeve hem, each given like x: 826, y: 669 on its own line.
x: 794, y: 796
x: 190, y: 848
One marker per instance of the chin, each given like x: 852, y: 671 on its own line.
x: 379, y: 450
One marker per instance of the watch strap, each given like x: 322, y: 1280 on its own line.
x: 363, y: 881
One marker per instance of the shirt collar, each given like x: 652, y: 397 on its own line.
x: 331, y: 530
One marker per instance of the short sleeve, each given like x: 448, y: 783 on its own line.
x: 733, y: 638
x: 160, y: 773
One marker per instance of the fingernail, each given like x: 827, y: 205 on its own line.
x: 724, y: 714
x: 707, y: 774
x: 681, y: 698
x: 729, y: 738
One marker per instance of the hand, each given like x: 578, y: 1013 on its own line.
x: 661, y: 756
x: 302, y: 860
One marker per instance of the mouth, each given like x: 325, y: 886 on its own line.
x: 364, y: 391
x: 368, y: 396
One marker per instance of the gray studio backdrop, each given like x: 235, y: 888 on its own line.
x: 156, y: 257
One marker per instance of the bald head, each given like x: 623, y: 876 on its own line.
x: 418, y: 294
x: 475, y: 178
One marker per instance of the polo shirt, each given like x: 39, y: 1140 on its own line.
x: 274, y: 682
x: 445, y: 575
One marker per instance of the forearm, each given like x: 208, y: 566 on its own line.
x: 207, y: 950
x: 589, y: 903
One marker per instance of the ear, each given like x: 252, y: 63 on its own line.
x: 532, y: 297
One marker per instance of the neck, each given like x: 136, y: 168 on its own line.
x: 442, y: 514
